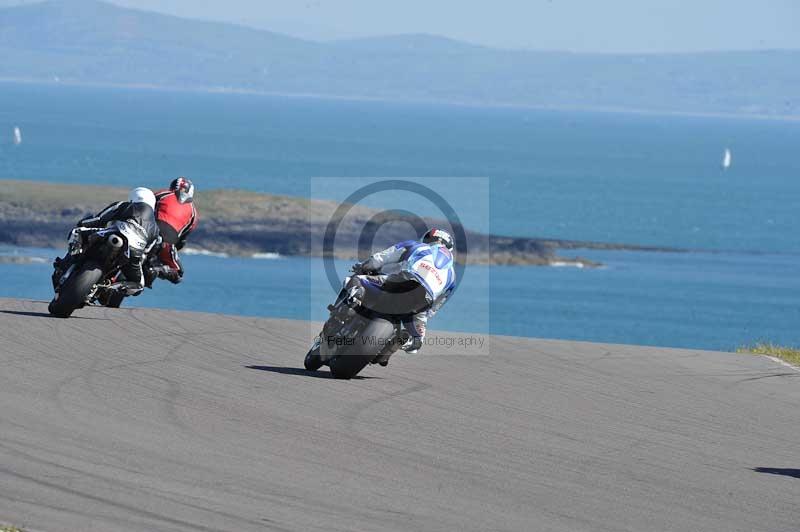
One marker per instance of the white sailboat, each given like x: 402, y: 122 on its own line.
x: 17, y: 136
x: 726, y: 159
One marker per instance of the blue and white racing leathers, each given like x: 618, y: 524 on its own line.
x: 431, y: 265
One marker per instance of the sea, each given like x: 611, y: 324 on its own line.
x: 639, y: 179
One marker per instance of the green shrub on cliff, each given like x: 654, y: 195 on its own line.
x: 788, y: 354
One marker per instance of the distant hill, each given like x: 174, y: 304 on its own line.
x: 87, y: 41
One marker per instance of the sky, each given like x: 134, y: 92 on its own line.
x: 574, y: 25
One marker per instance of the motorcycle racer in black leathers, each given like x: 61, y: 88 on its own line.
x: 139, y: 209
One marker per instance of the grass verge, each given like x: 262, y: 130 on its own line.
x: 8, y: 528
x: 787, y: 354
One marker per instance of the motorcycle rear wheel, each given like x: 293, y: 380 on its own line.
x: 351, y: 359
x: 73, y: 293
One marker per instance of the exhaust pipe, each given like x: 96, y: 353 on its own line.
x: 115, y: 241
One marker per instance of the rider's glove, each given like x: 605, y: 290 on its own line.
x: 357, y: 268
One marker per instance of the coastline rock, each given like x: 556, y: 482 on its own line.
x: 242, y: 223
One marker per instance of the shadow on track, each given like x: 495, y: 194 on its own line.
x: 45, y: 315
x: 21, y: 313
x: 303, y: 372
x: 778, y: 471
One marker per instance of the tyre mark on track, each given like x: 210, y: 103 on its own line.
x: 352, y: 415
x: 128, y: 485
x: 139, y: 511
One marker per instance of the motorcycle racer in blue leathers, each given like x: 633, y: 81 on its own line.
x: 429, y: 263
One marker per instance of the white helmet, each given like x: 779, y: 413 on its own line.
x: 143, y: 195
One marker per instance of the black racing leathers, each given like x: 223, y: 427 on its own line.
x: 143, y: 215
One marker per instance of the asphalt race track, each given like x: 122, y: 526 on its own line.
x: 142, y: 420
